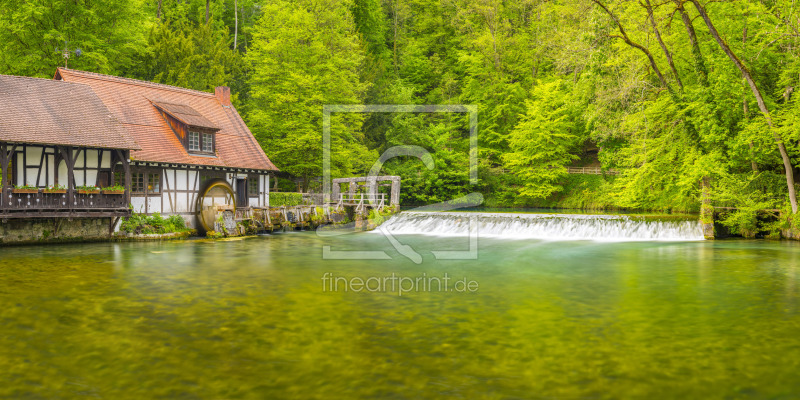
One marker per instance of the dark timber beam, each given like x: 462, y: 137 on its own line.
x: 68, y: 156
x: 124, y: 158
x: 4, y: 176
x: 5, y: 163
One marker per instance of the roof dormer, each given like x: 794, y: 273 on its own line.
x: 195, y: 131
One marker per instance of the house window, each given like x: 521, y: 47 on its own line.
x: 201, y: 142
x: 252, y: 187
x: 153, y: 183
x: 137, y: 183
x: 208, y: 143
x: 194, y: 141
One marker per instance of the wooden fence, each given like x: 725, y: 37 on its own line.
x: 591, y: 171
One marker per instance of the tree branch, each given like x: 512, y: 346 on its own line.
x: 635, y: 45
x: 787, y: 163
x: 649, y: 8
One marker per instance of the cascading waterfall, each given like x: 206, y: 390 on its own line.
x: 544, y: 226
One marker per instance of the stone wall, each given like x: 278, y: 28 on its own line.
x: 53, y: 230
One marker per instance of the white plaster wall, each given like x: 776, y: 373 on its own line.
x: 34, y: 158
x: 92, y: 158
x: 138, y: 204
x: 153, y: 205
x: 180, y: 180
x: 181, y: 201
x: 169, y: 179
x: 31, y: 176
x: 167, y: 186
x: 62, y: 173
x: 91, y: 176
x: 193, y: 181
x: 266, y: 190
x: 167, y: 199
x: 51, y: 169
x: 106, y: 160
x: 34, y: 155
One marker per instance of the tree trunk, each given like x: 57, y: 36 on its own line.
x: 707, y: 210
x: 787, y: 163
x: 746, y: 111
x: 753, y: 164
x: 394, y: 41
x: 700, y: 63
x: 158, y: 12
x: 207, y: 5
x: 236, y: 23
x: 661, y: 43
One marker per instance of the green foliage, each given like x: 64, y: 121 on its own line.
x: 277, y: 199
x: 543, y: 143
x: 25, y: 187
x: 751, y: 194
x: 214, y: 235
x: 578, y: 191
x: 154, y: 224
x: 191, y: 55
x: 110, y: 33
x: 375, y: 217
x: 551, y: 80
x: 306, y: 54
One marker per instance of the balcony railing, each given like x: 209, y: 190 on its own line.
x: 17, y: 203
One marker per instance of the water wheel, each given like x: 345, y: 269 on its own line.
x: 216, y: 194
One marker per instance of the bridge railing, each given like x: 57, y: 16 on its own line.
x: 362, y: 200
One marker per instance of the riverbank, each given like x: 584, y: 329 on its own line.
x: 121, y: 237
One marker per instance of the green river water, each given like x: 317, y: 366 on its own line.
x: 252, y: 319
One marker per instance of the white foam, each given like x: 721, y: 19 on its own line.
x: 615, y: 228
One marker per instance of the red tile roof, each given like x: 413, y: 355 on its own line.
x: 43, y: 111
x: 132, y: 102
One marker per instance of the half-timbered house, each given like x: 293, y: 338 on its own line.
x: 56, y: 138
x: 186, y: 140
x: 168, y: 147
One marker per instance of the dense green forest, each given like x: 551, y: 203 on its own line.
x: 661, y: 93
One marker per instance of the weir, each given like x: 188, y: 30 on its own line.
x: 545, y: 226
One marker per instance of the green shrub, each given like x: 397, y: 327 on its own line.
x: 143, y: 224
x: 376, y: 217
x: 277, y: 199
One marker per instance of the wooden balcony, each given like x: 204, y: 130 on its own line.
x: 15, y: 204
x: 72, y: 203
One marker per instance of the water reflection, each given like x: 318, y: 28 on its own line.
x: 248, y: 319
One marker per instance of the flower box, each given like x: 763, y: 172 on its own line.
x: 84, y: 191
x: 25, y: 191
x: 113, y: 192
x: 54, y: 191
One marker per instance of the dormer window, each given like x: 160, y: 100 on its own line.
x: 194, y: 141
x: 194, y: 130
x: 200, y: 142
x: 208, y: 142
